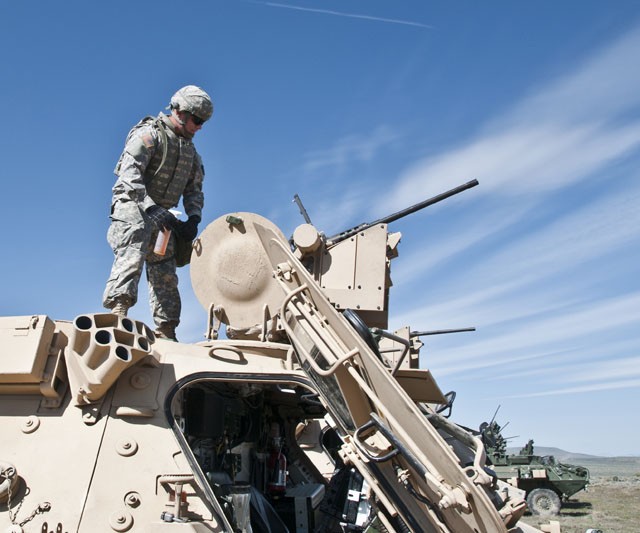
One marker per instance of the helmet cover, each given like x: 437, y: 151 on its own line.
x: 193, y: 100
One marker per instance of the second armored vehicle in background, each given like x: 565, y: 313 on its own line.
x: 546, y: 481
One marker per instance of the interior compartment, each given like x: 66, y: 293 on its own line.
x: 270, y: 454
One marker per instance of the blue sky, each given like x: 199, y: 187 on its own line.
x: 363, y: 108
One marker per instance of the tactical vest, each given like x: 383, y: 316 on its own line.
x: 171, y: 164
x: 167, y: 175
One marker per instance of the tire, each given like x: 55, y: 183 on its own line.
x: 543, y: 502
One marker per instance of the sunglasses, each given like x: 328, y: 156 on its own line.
x: 197, y: 120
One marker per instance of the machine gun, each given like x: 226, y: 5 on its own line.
x: 439, y: 332
x: 400, y: 214
x: 353, y: 266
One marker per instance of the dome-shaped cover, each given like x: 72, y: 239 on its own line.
x: 230, y: 268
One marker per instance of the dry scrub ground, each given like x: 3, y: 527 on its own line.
x: 608, y: 505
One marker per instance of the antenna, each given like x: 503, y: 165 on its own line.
x: 494, y: 415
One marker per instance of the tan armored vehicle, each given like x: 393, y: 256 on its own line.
x: 298, y: 421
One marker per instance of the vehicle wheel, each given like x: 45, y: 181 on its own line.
x: 543, y: 502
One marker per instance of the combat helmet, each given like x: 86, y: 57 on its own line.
x: 194, y: 100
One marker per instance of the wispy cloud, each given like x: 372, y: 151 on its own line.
x: 348, y: 15
x: 416, y: 263
x: 575, y: 365
x: 496, y: 288
x: 608, y: 224
x: 548, y: 327
x: 560, y: 134
x: 601, y: 371
x: 623, y: 384
x: 527, y: 159
x: 603, y: 87
x: 348, y: 150
x: 329, y: 215
x: 553, y: 287
x: 331, y: 170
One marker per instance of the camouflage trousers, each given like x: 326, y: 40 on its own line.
x: 132, y: 238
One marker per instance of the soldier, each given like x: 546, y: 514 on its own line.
x: 158, y: 166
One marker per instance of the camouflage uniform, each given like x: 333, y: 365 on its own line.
x: 158, y: 167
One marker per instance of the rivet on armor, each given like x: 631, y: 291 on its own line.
x: 121, y: 521
x: 126, y: 447
x: 30, y: 424
x: 132, y: 499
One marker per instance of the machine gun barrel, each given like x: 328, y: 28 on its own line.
x: 439, y: 332
x: 403, y: 213
x: 303, y: 211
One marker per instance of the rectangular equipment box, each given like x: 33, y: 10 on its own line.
x: 306, y: 501
x: 24, y: 346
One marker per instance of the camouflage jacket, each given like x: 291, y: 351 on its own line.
x: 158, y: 166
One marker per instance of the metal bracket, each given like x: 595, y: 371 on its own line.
x: 214, y: 321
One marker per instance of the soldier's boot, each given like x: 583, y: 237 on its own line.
x: 122, y: 306
x: 167, y: 331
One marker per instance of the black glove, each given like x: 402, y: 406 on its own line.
x: 189, y: 229
x: 161, y: 218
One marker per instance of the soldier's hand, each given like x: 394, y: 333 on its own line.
x: 189, y: 229
x: 161, y: 218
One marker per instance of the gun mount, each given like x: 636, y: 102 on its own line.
x: 232, y: 278
x: 300, y: 420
